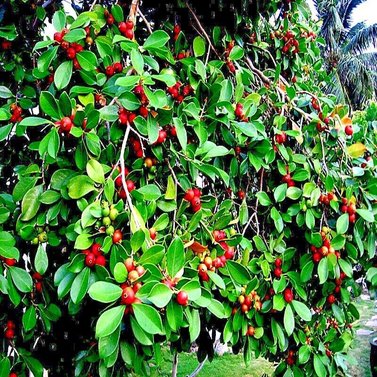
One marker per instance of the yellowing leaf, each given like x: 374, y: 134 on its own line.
x: 356, y: 150
x: 346, y: 121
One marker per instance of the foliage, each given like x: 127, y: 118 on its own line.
x: 348, y: 52
x: 160, y: 190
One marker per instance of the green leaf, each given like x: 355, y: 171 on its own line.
x: 199, y: 46
x: 30, y: 203
x: 46, y: 59
x: 33, y: 121
x: 59, y: 20
x: 79, y: 186
x: 29, y: 318
x: 95, y: 171
x: 80, y: 285
x: 193, y: 289
x: 120, y: 272
x: 304, y: 354
x: 105, y: 292
x: 319, y: 368
x: 217, y: 279
x: 137, y: 61
x: 41, y: 260
x: 366, y: 215
x: 342, y: 224
x: 5, y: 92
x: 239, y: 273
x: 157, y: 39
x: 63, y: 74
x: 109, y: 321
x: 289, y: 320
x: 75, y: 35
x: 140, y: 335
x: 194, y: 324
x: 149, y: 192
x: 83, y: 241
x: 280, y: 192
x: 302, y: 310
x: 21, y: 279
x: 87, y: 60
x: 175, y: 257
x: 236, y: 53
x: 263, y: 198
x: 323, y: 270
x: 160, y: 295
x: 148, y: 318
x: 4, y: 367
x: 49, y: 105
x: 217, y: 309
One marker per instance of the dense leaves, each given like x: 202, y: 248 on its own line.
x: 161, y: 189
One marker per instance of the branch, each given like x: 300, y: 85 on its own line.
x: 147, y: 24
x: 133, y: 11
x: 124, y: 184
x: 175, y: 365
x: 202, y: 30
x: 198, y: 368
x: 258, y: 72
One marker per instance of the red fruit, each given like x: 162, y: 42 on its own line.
x: 101, y: 260
x: 290, y: 360
x: 96, y: 249
x: 161, y: 137
x: 110, y: 19
x: 58, y: 37
x: 10, y: 325
x: 139, y: 90
x: 278, y: 272
x: 71, y: 53
x: 122, y: 27
x: 281, y: 138
x: 136, y: 287
x: 352, y: 218
x: 231, y: 67
x: 12, y: 374
x: 65, y: 45
x: 223, y: 260
x: 143, y: 111
x: 129, y: 263
x: 133, y: 276
x: 181, y: 56
x: 217, y: 263
x: 244, y: 308
x: 90, y: 260
x: 344, y: 201
x: 182, y: 298
x: 241, y: 194
x: 229, y: 254
x: 66, y: 124
x: 317, y: 257
x: 140, y: 270
x: 109, y: 71
x: 10, y: 261
x: 130, y: 185
x: 129, y: 33
x: 288, y: 295
x: 37, y: 276
x: 348, y: 130
x: 177, y: 29
x: 77, y: 47
x: 152, y: 233
x: 131, y: 118
x: 128, y: 296
x: 239, y: 111
x: 250, y: 331
x: 195, y: 202
x: 278, y: 262
x: 118, y: 67
x: 129, y: 24
x: 286, y: 178
x: 38, y: 286
x: 344, y: 208
x: 331, y: 299
x: 9, y: 334
x: 351, y: 209
x: 117, y: 236
x: 173, y: 131
x: 197, y: 192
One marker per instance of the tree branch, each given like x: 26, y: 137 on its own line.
x: 175, y: 365
x: 198, y: 368
x: 258, y: 72
x: 133, y: 11
x: 147, y: 24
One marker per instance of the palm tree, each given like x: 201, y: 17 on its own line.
x: 350, y: 58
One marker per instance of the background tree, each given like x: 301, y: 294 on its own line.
x: 161, y: 188
x: 348, y: 52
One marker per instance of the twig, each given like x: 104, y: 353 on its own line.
x: 123, y: 167
x: 133, y: 11
x: 174, y: 176
x: 258, y: 72
x: 202, y: 29
x: 92, y: 6
x: 147, y: 24
x: 175, y: 365
x: 198, y: 368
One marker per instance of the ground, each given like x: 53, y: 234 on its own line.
x: 234, y: 366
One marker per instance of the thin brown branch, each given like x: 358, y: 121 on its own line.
x: 202, y: 29
x: 133, y: 11
x: 147, y: 24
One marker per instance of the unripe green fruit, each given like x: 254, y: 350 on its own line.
x: 113, y: 214
x: 104, y: 204
x: 42, y: 237
x: 110, y: 230
x: 105, y: 211
x: 35, y: 241
x: 153, y: 169
x: 106, y: 221
x: 309, y: 203
x: 304, y: 207
x: 98, y: 224
x: 40, y: 229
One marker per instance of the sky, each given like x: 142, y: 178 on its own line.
x: 365, y: 12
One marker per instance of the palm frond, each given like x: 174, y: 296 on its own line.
x: 369, y: 59
x: 362, y: 39
x: 332, y: 28
x: 345, y: 9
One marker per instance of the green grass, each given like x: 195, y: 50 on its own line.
x: 227, y: 365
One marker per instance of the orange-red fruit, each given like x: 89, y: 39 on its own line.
x: 189, y: 195
x: 152, y: 233
x: 101, y: 260
x: 288, y: 295
x: 278, y: 272
x: 117, y: 236
x: 129, y: 263
x: 348, y: 130
x: 9, y: 334
x: 331, y: 299
x: 128, y: 296
x: 182, y: 298
x: 90, y: 260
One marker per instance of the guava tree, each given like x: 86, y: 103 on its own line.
x: 160, y: 189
